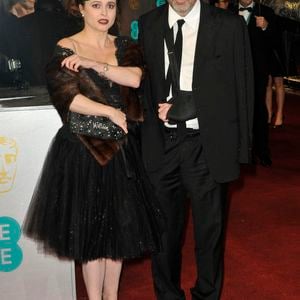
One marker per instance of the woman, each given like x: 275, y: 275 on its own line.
x: 277, y: 72
x: 278, y: 82
x: 93, y: 202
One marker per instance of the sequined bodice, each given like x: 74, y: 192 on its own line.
x: 109, y: 89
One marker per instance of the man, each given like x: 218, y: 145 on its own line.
x: 198, y: 157
x: 260, y: 21
x: 22, y: 8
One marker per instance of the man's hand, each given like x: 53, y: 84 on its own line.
x: 163, y: 109
x: 261, y: 22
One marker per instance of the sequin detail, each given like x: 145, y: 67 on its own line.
x: 95, y: 126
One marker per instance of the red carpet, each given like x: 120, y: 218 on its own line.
x: 262, y: 259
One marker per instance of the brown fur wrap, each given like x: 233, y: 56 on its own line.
x: 64, y: 84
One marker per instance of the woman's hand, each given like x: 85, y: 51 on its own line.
x: 75, y: 61
x: 119, y: 118
x: 163, y: 109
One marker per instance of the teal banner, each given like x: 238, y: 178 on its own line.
x: 11, y: 254
x: 131, y: 10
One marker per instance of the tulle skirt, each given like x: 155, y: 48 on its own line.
x: 83, y: 211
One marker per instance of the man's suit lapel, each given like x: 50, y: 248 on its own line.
x: 160, y: 26
x: 252, y: 19
x: 205, y: 41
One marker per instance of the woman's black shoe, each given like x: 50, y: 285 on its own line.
x: 278, y: 126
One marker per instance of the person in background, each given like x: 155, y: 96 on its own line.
x: 277, y: 72
x: 260, y: 21
x: 71, y: 7
x: 10, y: 74
x: 38, y: 34
x: 196, y: 156
x: 278, y: 83
x: 93, y: 202
x: 8, y: 28
x: 22, y: 8
x: 5, y: 6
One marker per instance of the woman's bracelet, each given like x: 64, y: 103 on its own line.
x: 105, y: 69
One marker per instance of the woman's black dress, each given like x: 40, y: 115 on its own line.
x: 83, y: 211
x: 277, y: 66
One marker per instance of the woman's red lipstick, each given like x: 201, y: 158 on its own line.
x: 103, y: 21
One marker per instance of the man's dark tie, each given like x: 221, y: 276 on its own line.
x: 178, y: 43
x: 250, y: 9
x: 178, y: 53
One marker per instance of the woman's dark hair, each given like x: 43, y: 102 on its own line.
x: 80, y: 2
x: 72, y: 7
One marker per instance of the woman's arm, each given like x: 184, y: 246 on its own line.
x: 127, y: 76
x: 124, y: 75
x: 84, y: 105
x: 65, y: 94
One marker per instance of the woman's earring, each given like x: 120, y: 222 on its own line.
x: 82, y: 15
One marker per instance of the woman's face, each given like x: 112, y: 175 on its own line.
x: 99, y: 14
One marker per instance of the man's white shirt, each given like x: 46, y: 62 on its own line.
x: 245, y: 13
x: 189, y: 40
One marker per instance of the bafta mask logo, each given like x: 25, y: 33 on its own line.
x: 134, y: 4
x: 8, y: 163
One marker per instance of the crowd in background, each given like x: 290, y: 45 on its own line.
x: 30, y: 29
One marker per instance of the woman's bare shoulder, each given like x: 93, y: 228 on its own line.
x: 68, y: 42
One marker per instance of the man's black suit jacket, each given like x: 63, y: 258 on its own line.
x: 222, y: 86
x: 261, y: 41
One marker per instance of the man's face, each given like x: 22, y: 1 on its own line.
x: 222, y: 4
x: 182, y: 7
x: 8, y: 163
x: 28, y: 4
x: 245, y: 2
